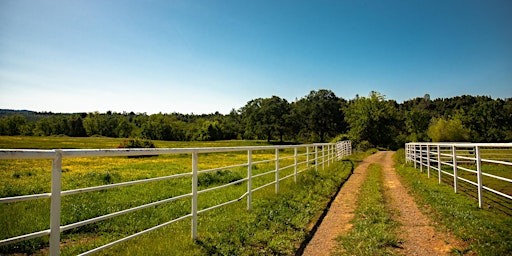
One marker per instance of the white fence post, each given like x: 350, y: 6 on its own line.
x: 307, y: 157
x: 194, y: 195
x: 421, y: 158
x: 439, y: 162
x: 414, y: 155
x: 277, y: 170
x: 428, y: 160
x: 479, y: 174
x: 316, y: 158
x: 323, y: 157
x: 455, y: 178
x: 249, y: 180
x: 55, y: 204
x: 295, y: 164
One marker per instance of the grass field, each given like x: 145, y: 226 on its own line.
x: 278, y: 224
x: 488, y: 231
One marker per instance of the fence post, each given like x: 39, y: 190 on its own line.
x: 428, y: 160
x: 307, y: 157
x: 194, y: 195
x: 414, y: 155
x: 439, y: 162
x: 328, y: 155
x: 55, y: 204
x: 407, y: 153
x: 277, y: 170
x: 421, y: 158
x: 479, y: 174
x: 316, y: 158
x: 323, y: 157
x: 454, y: 155
x: 249, y: 180
x: 295, y: 164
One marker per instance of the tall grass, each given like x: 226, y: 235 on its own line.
x: 277, y: 224
x: 487, y: 231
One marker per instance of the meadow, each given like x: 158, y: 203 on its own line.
x: 277, y: 224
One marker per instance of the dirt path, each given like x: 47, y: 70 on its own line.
x: 417, y: 232
x: 419, y: 238
x: 341, y: 212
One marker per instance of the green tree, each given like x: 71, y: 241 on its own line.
x: 12, y: 125
x: 267, y: 117
x: 372, y: 119
x: 416, y: 123
x: 447, y: 130
x: 125, y: 129
x: 321, y: 114
x: 75, y: 126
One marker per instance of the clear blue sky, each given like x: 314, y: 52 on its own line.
x: 206, y: 56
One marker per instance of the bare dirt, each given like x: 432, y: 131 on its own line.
x: 416, y: 231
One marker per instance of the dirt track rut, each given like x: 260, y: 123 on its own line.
x: 416, y: 231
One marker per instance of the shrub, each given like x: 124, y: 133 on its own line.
x: 218, y: 177
x: 364, y: 145
x: 136, y: 143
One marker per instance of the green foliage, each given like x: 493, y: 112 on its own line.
x: 318, y: 116
x: 218, y: 178
x: 372, y: 119
x: 417, y: 122
x: 340, y: 137
x: 451, y: 130
x: 363, y: 146
x: 136, y: 143
x: 266, y: 118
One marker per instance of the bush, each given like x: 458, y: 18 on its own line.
x: 136, y: 143
x: 340, y: 137
x: 218, y: 177
x: 364, y: 145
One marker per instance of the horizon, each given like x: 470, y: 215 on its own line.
x: 204, y: 57
x: 215, y: 112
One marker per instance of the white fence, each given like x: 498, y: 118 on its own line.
x: 466, y: 162
x: 315, y: 155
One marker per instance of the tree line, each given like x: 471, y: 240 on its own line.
x: 317, y: 117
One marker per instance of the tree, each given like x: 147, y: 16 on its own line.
x: 321, y: 112
x: 76, y: 127
x: 447, y: 130
x: 267, y: 117
x: 12, y: 125
x: 416, y: 123
x: 372, y: 119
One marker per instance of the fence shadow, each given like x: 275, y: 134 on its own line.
x: 489, y: 199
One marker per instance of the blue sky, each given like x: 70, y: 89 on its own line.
x: 206, y: 56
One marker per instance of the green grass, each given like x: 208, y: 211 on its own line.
x: 277, y: 224
x: 487, y: 231
x: 374, y: 232
x: 53, y: 142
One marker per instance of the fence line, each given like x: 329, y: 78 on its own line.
x: 469, y: 162
x: 322, y: 153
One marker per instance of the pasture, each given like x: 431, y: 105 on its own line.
x: 278, y: 224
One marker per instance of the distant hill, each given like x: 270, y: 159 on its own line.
x: 28, y: 114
